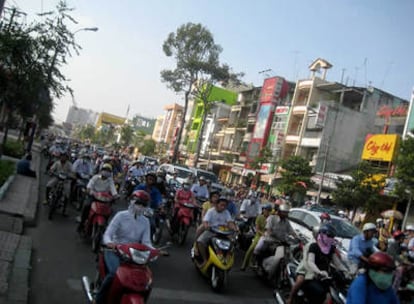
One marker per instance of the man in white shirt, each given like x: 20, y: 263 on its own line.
x: 200, y: 189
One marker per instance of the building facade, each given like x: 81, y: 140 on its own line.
x: 80, y: 117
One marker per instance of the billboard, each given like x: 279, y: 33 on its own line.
x: 322, y: 113
x: 380, y: 147
x: 262, y: 120
x: 268, y: 89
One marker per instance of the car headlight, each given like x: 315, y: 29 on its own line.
x: 222, y: 244
x: 138, y: 256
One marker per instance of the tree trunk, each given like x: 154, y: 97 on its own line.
x: 180, y: 131
x: 200, y: 135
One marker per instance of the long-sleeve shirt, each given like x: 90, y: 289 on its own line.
x: 98, y: 184
x: 156, y: 198
x: 82, y: 166
x: 358, y: 247
x: 125, y: 228
x: 363, y: 291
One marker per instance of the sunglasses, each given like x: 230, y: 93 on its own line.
x: 328, y: 234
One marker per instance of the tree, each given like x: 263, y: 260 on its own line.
x: 361, y: 191
x: 196, y: 56
x: 296, y: 176
x: 86, y: 132
x: 148, y: 147
x: 127, y: 134
x: 405, y: 168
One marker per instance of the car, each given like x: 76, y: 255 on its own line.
x: 208, y: 175
x: 183, y: 173
x: 303, y: 221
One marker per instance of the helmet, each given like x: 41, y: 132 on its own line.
x: 379, y: 221
x: 325, y: 216
x: 106, y: 158
x: 410, y: 227
x: 107, y: 167
x: 140, y: 197
x: 381, y: 260
x: 223, y: 199
x: 267, y: 207
x: 151, y: 174
x: 329, y: 230
x: 369, y: 226
x: 398, y: 234
x: 201, y: 178
x: 284, y: 208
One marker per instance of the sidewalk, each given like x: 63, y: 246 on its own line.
x: 17, y: 209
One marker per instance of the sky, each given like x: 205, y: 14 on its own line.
x: 367, y: 42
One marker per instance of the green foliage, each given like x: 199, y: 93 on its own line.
x: 13, y: 148
x: 127, y: 134
x: 265, y: 156
x: 295, y: 171
x: 362, y: 191
x: 86, y: 132
x: 6, y: 169
x: 197, y: 67
x: 405, y: 168
x: 148, y: 147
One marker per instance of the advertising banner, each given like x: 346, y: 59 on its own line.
x: 268, y: 90
x: 322, y: 113
x: 380, y: 147
x: 262, y: 121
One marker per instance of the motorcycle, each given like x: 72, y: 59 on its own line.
x: 97, y: 221
x: 130, y: 184
x: 56, y: 198
x: 80, y: 190
x: 133, y: 279
x: 220, y: 258
x: 197, y: 211
x: 182, y: 221
x: 247, y: 230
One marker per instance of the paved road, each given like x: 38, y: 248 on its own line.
x: 60, y: 258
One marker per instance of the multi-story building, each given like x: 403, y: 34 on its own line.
x: 167, y: 126
x: 80, y: 117
x: 143, y: 124
x: 329, y: 121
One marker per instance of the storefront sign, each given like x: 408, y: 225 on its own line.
x: 387, y: 111
x: 381, y: 147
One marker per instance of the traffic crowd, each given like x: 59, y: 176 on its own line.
x: 377, y: 267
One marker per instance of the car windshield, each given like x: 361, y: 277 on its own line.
x: 344, y: 229
x: 207, y: 175
x: 182, y: 173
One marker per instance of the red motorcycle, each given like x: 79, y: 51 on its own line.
x: 182, y: 221
x: 97, y: 221
x: 133, y: 279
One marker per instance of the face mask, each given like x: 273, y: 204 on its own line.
x: 325, y: 243
x: 106, y: 174
x: 135, y: 209
x: 382, y: 280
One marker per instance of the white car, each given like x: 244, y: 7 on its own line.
x: 183, y: 173
x: 303, y: 221
x: 211, y: 176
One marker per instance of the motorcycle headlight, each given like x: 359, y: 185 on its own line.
x: 138, y: 256
x: 222, y: 244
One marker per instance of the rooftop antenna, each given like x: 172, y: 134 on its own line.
x: 365, y: 70
x: 356, y: 75
x: 342, y: 75
x: 387, y: 71
x: 265, y: 73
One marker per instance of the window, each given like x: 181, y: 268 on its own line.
x: 310, y: 221
x: 296, y: 216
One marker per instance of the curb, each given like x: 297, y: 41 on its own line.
x: 6, y: 185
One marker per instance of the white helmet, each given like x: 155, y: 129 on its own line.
x: 410, y: 227
x: 284, y: 208
x: 369, y: 226
x: 379, y: 220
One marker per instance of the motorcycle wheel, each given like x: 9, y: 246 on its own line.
x: 97, y: 232
x: 218, y: 279
x: 157, y: 235
x: 80, y: 197
x: 182, y: 233
x: 53, y: 203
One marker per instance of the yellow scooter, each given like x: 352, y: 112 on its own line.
x: 220, y: 258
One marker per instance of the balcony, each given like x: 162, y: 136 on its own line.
x: 236, y: 108
x: 299, y: 110
x: 305, y: 83
x: 247, y: 137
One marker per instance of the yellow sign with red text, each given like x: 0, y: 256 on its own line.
x: 380, y: 147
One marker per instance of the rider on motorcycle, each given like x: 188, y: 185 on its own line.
x: 250, y: 208
x: 151, y: 189
x: 215, y: 217
x: 129, y: 226
x: 200, y: 189
x: 278, y: 230
x: 361, y: 247
x: 81, y: 166
x: 161, y: 182
x: 374, y: 286
x: 62, y: 165
x: 316, y: 264
x: 98, y: 183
